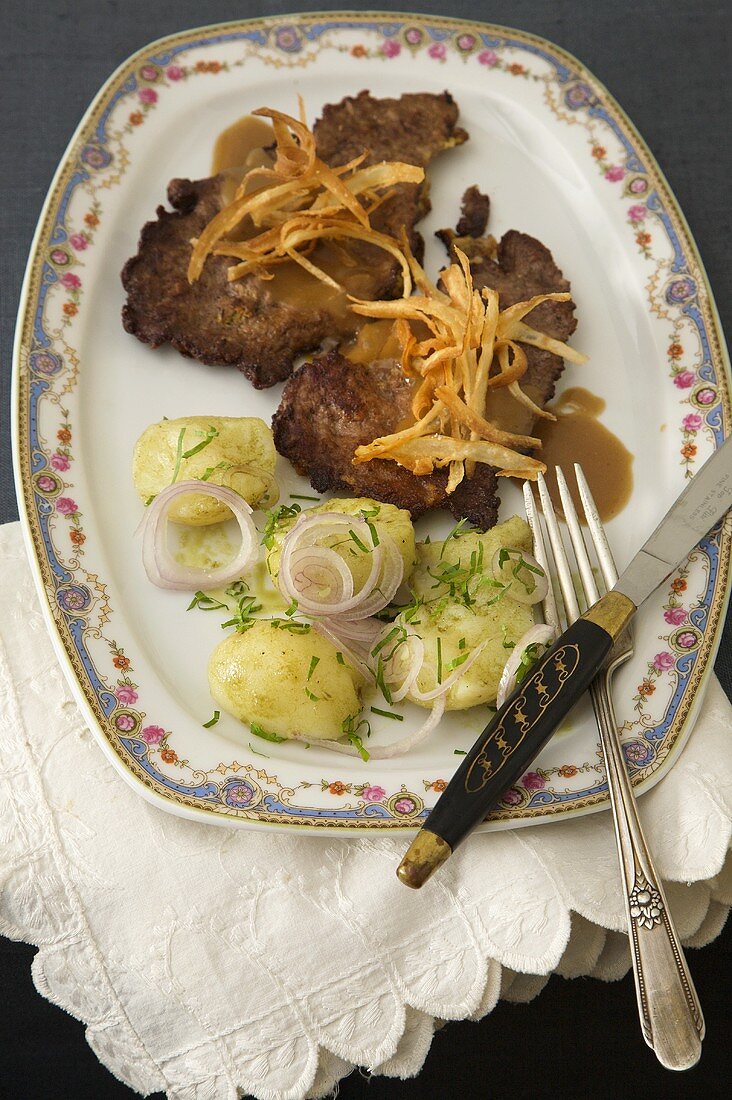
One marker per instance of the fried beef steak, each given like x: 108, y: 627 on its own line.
x: 332, y: 405
x: 241, y: 324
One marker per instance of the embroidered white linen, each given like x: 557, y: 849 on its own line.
x: 174, y: 943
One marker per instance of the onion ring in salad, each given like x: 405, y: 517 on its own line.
x: 161, y: 567
x: 333, y: 596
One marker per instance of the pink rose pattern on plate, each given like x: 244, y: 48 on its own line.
x: 67, y: 258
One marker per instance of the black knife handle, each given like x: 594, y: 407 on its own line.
x: 516, y: 734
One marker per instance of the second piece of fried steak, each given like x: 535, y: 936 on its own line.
x: 332, y: 405
x: 239, y: 323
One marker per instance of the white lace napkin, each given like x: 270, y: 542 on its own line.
x: 205, y: 960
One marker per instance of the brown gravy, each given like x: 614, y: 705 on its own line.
x: 293, y: 286
x: 237, y: 142
x: 241, y: 147
x: 578, y: 436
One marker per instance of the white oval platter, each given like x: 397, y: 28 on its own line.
x: 560, y: 161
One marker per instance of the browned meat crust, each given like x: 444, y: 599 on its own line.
x: 474, y: 211
x: 240, y: 324
x: 519, y: 267
x: 330, y: 406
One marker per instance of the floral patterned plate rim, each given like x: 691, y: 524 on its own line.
x: 567, y: 165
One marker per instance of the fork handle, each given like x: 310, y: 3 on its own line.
x: 670, y: 1013
x: 516, y: 735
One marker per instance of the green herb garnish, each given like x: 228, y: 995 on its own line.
x: 206, y: 603
x: 244, y: 616
x: 237, y: 589
x: 256, y: 753
x: 314, y: 662
x: 454, y: 534
x: 351, y: 729
x: 388, y: 714
x: 208, y: 437
x: 212, y: 721
x: 528, y: 659
x: 300, y: 496
x: 275, y: 516
x: 289, y: 624
x: 259, y: 732
x: 212, y: 470
x: 361, y: 545
x: 178, y: 456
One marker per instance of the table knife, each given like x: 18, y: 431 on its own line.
x: 530, y: 716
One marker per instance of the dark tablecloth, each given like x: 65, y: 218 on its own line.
x: 666, y: 61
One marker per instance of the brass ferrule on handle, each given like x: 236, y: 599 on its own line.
x: 516, y: 735
x: 426, y: 853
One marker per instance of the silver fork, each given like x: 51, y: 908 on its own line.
x: 670, y: 1014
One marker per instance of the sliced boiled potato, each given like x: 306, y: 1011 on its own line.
x: 461, y: 630
x: 443, y: 568
x: 230, y: 442
x: 386, y: 518
x: 464, y: 607
x: 288, y: 684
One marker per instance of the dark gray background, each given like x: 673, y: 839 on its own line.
x: 666, y: 61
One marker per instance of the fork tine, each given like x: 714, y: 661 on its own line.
x: 576, y: 538
x: 551, y: 613
x: 596, y: 529
x: 564, y: 572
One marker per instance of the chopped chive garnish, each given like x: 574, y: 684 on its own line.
x: 206, y: 603
x: 528, y: 659
x: 291, y: 625
x: 351, y: 726
x: 454, y: 534
x: 439, y: 659
x: 178, y: 456
x: 212, y: 470
x: 212, y: 721
x: 301, y: 496
x: 275, y: 516
x: 209, y: 437
x: 388, y: 714
x: 459, y: 752
x: 257, y: 753
x: 259, y: 732
x: 237, y: 589
x: 381, y: 680
x: 150, y: 499
x: 314, y: 662
x: 385, y: 640
x: 244, y: 616
x: 359, y: 746
x: 361, y: 545
x: 311, y: 695
x: 339, y: 658
x: 291, y: 609
x: 457, y: 661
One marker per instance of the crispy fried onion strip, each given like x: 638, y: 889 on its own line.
x: 466, y: 349
x: 299, y: 201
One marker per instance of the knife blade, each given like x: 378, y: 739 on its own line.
x: 526, y: 721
